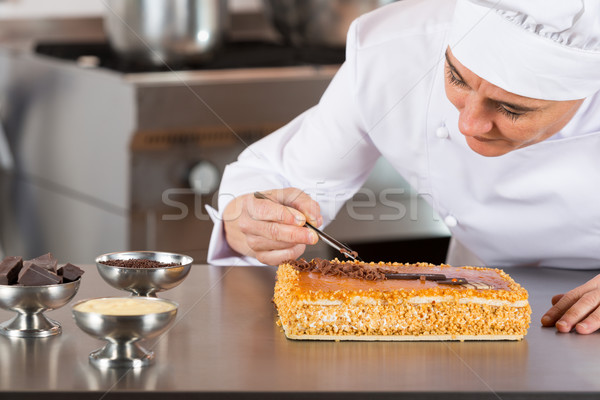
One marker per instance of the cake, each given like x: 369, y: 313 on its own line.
x: 351, y: 300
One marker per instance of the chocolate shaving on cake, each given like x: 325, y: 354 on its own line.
x: 341, y: 269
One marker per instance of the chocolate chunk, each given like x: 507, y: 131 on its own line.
x: 9, y: 270
x: 46, y: 261
x: 34, y: 275
x: 70, y: 272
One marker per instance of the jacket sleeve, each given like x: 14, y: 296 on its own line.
x: 326, y: 152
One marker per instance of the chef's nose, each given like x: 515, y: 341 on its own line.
x: 474, y: 118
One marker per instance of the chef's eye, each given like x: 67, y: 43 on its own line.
x: 454, y: 79
x: 510, y: 114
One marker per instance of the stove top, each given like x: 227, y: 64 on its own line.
x: 249, y: 54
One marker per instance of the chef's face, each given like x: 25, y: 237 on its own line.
x: 495, y: 121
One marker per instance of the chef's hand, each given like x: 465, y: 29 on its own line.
x: 579, y: 309
x: 268, y: 231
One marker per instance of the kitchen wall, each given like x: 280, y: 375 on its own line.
x: 17, y: 9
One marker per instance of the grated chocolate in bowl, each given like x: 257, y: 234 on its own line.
x: 138, y: 263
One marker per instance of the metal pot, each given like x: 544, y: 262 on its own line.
x: 317, y: 22
x: 166, y: 31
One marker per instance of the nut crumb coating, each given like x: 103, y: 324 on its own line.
x: 431, y: 312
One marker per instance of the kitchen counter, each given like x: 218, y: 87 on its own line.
x: 225, y: 344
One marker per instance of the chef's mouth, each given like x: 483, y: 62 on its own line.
x: 481, y: 139
x: 485, y: 140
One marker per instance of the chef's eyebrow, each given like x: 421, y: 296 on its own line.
x: 516, y: 107
x: 452, y: 67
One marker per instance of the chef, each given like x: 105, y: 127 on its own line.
x: 489, y: 109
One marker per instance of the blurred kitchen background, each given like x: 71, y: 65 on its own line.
x: 107, y: 146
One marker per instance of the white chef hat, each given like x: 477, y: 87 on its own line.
x: 544, y: 49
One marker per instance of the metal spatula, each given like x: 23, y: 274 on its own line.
x: 336, y: 244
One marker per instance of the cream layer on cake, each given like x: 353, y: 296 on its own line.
x: 332, y: 306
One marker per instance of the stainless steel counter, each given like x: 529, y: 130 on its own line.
x: 225, y: 344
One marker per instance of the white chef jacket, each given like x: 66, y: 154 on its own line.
x: 539, y: 205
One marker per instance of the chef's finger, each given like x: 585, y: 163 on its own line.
x: 562, y: 305
x: 278, y: 232
x: 276, y: 257
x: 302, y: 202
x: 586, y: 304
x: 266, y: 210
x: 590, y: 324
x: 556, y: 298
x: 259, y: 243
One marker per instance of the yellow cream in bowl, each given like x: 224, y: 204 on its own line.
x: 124, y: 306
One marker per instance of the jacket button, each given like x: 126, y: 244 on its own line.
x: 451, y: 221
x: 442, y: 132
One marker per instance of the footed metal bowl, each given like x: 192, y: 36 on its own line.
x: 30, y: 302
x: 122, y: 332
x: 144, y: 281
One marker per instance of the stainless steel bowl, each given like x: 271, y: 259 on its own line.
x: 317, y: 22
x: 122, y: 332
x: 144, y: 281
x: 163, y: 32
x: 30, y: 302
